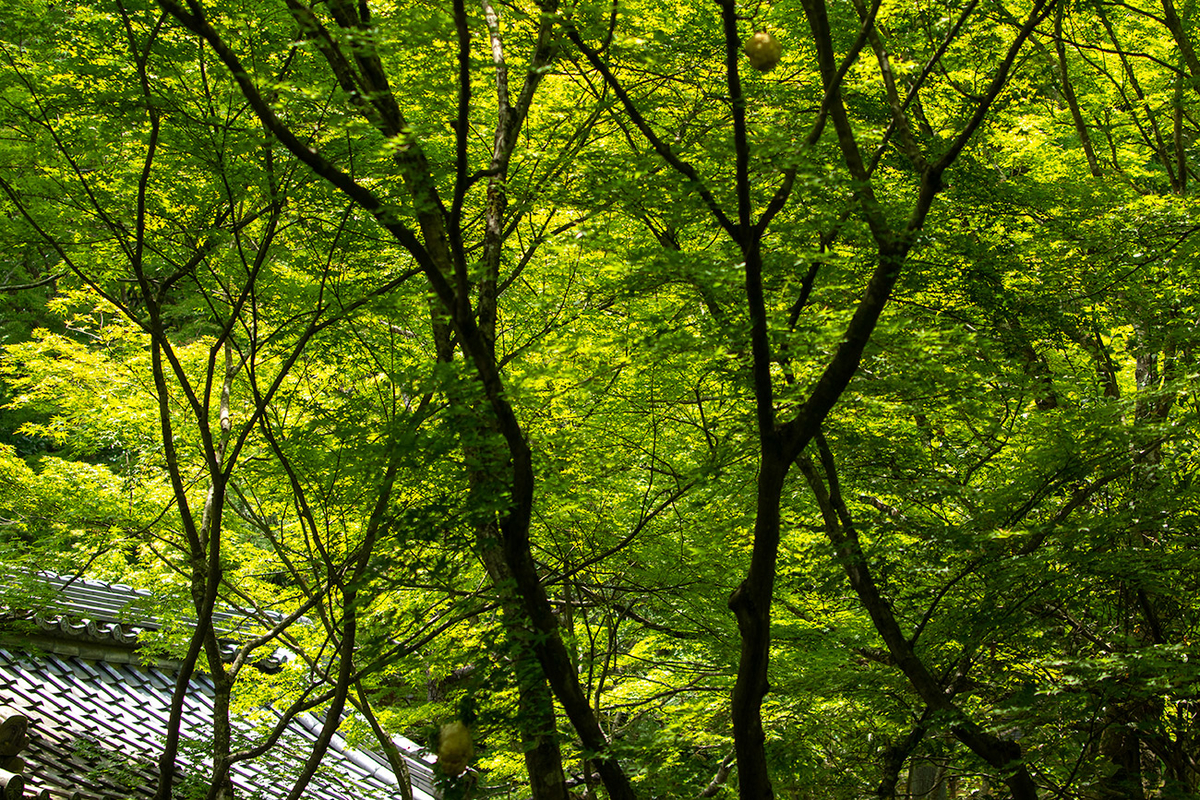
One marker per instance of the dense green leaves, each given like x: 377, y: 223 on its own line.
x: 283, y: 336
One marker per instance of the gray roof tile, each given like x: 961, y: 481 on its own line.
x: 96, y: 726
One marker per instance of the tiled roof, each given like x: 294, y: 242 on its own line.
x: 108, y: 613
x: 97, y: 717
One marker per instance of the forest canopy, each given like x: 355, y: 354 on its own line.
x: 705, y: 399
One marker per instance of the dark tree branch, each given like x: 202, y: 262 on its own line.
x: 13, y: 288
x: 1002, y: 755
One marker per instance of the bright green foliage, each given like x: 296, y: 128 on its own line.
x: 1016, y: 451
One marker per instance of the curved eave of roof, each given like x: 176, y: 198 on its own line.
x: 62, y: 634
x: 90, y: 630
x: 81, y: 610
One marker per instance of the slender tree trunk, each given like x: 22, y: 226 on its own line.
x: 1153, y: 137
x: 221, y: 787
x: 535, y: 705
x: 751, y: 605
x: 894, y: 756
x: 1068, y: 92
x: 925, y: 780
x: 395, y: 758
x: 719, y: 779
x: 1122, y: 745
x: 1179, y: 28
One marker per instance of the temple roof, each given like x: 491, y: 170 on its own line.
x: 109, y: 614
x: 97, y: 712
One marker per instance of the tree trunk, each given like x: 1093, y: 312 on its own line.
x: 1068, y: 92
x: 925, y: 781
x: 751, y: 604
x: 535, y: 705
x: 1122, y: 746
x: 894, y: 756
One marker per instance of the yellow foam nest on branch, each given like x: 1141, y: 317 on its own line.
x: 763, y: 50
x: 454, y: 748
